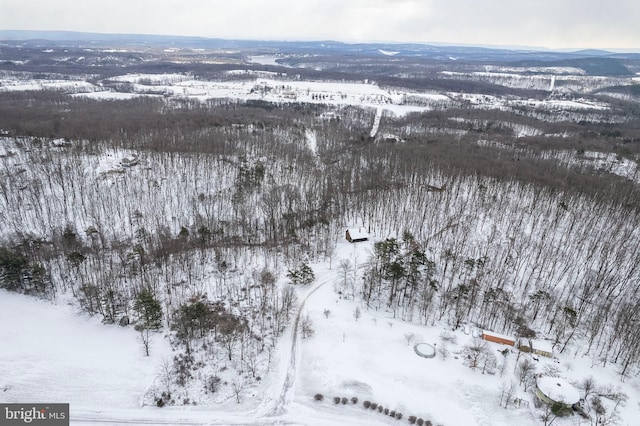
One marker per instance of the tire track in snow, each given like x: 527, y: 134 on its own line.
x: 286, y: 394
x: 199, y: 420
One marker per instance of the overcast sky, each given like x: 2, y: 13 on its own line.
x: 540, y: 23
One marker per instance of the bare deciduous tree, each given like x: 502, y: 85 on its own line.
x: 507, y: 392
x: 238, y: 386
x: 306, y: 327
x: 526, y: 373
x: 408, y: 337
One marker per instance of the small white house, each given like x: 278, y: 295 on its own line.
x: 355, y: 235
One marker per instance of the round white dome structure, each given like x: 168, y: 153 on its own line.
x: 425, y: 350
x: 554, y: 390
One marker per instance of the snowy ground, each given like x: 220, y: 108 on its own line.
x: 371, y: 359
x: 51, y: 353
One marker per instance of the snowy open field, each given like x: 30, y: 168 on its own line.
x: 277, y: 91
x: 282, y: 89
x: 51, y: 353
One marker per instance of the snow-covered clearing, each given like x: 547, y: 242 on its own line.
x: 537, y: 70
x: 376, y: 123
x: 267, y: 89
x: 152, y: 78
x: 265, y: 60
x: 312, y: 141
x: 109, y: 96
x: 558, y: 104
x: 68, y: 86
x: 607, y: 162
x: 51, y: 353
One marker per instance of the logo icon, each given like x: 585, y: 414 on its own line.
x: 34, y: 414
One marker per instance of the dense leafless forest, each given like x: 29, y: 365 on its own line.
x: 162, y: 211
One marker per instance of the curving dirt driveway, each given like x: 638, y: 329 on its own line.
x: 285, y: 397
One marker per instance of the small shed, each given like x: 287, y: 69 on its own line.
x: 554, y: 390
x: 498, y: 338
x: 542, y: 347
x: 355, y: 235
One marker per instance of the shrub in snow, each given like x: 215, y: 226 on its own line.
x: 182, y: 365
x: 345, y: 400
x: 399, y: 416
x: 428, y: 423
x: 448, y: 337
x: 212, y: 383
x: 392, y: 413
x: 336, y: 400
x: 412, y: 419
x: 354, y: 400
x: 386, y: 411
x: 420, y: 422
x: 164, y: 399
x: 318, y: 397
x: 366, y: 404
x: 381, y: 408
x: 374, y: 405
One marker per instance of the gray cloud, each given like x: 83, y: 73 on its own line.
x: 548, y: 23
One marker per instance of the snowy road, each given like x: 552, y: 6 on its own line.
x: 376, y: 123
x: 287, y: 392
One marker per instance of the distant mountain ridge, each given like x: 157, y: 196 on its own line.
x: 427, y: 51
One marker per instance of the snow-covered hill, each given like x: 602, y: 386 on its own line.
x: 183, y: 225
